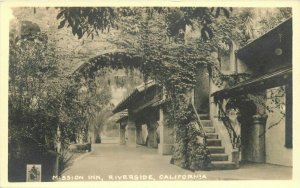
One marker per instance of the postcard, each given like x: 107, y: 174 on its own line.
x: 148, y: 93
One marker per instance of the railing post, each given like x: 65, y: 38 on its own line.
x: 236, y: 157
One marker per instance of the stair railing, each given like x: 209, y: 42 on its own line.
x: 200, y: 125
x: 226, y: 122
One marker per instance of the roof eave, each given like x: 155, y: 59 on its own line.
x: 249, y: 47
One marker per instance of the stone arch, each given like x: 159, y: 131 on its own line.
x: 86, y: 74
x: 129, y: 61
x: 114, y: 60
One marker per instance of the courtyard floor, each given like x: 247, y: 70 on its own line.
x: 112, y: 162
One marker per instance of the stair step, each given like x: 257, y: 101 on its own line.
x: 219, y: 157
x: 223, y: 165
x: 204, y: 116
x: 213, y: 142
x: 212, y: 135
x: 216, y: 149
x: 209, y: 129
x: 206, y: 123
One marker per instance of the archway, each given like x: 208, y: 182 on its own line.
x: 114, y: 60
x: 247, y: 109
x: 120, y: 71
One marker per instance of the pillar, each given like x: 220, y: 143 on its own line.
x: 152, y: 135
x: 122, y: 134
x: 257, y: 139
x: 166, y: 136
x: 131, y: 130
x: 139, y: 135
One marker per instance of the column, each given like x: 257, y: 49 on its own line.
x: 131, y: 130
x: 139, y: 135
x: 166, y: 136
x: 152, y: 135
x: 257, y: 139
x: 122, y: 134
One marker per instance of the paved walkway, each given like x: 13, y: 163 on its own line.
x: 112, y: 162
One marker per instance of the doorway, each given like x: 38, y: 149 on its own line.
x: 201, y: 91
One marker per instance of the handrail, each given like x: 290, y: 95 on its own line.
x: 199, y: 122
x: 227, y: 118
x: 227, y: 124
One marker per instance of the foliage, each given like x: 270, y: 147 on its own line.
x: 91, y: 96
x: 41, y: 99
x: 32, y: 65
x: 188, y: 152
x: 198, y: 153
x: 267, y: 23
x: 65, y: 162
x: 91, y: 20
x: 33, y: 116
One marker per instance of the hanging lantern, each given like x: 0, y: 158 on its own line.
x: 278, y: 51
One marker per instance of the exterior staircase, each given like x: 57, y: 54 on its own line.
x: 219, y: 159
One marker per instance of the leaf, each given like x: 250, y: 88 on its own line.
x: 70, y: 21
x: 60, y: 14
x: 74, y: 31
x: 188, y: 22
x: 210, y: 33
x: 226, y: 12
x: 206, y: 33
x: 207, y: 20
x: 203, y: 35
x: 62, y: 24
x: 90, y: 20
x: 217, y: 12
x: 79, y: 33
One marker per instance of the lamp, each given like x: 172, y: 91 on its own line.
x: 278, y: 51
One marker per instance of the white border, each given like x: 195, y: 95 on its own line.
x: 4, y: 10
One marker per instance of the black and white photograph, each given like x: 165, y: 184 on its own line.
x: 149, y: 93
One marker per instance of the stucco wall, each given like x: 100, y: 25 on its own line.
x: 276, y: 152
